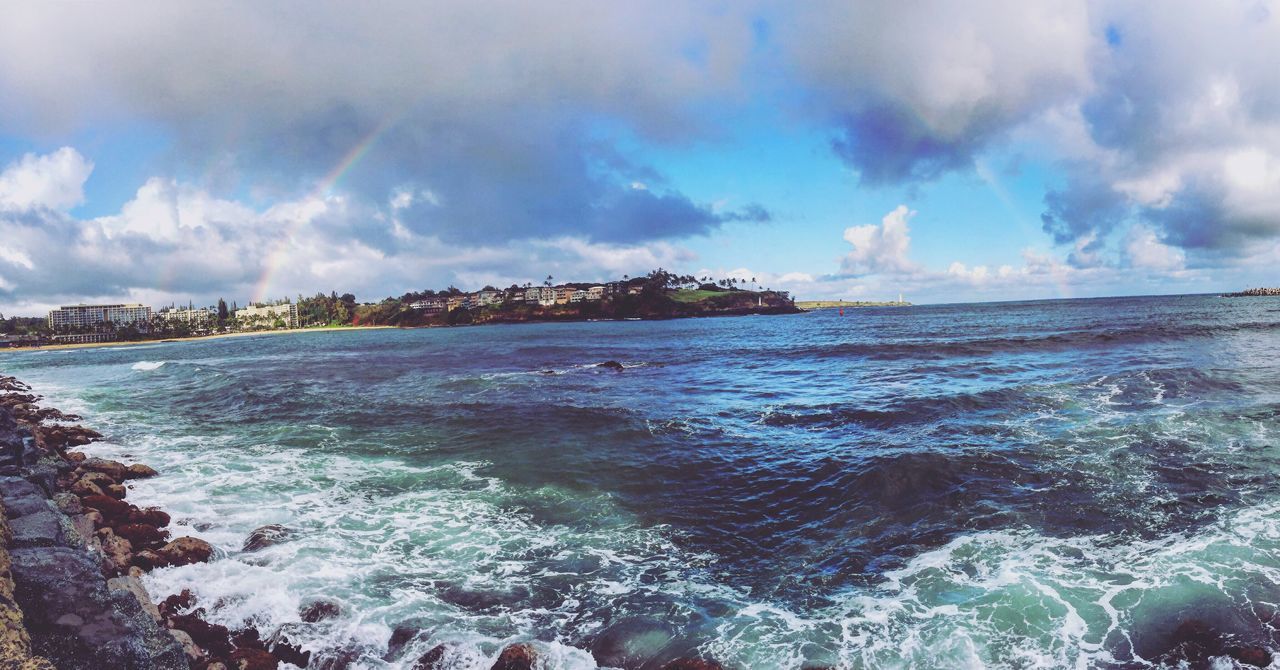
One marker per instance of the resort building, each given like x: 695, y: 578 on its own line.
x: 74, y: 317
x: 578, y: 296
x: 268, y: 315
x: 429, y: 305
x: 191, y: 317
x: 563, y: 294
x: 453, y: 302
x: 595, y: 293
x: 484, y: 298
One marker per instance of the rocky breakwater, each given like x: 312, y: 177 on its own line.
x: 73, y: 550
x: 1253, y: 293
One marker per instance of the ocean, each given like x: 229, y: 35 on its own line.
x: 1007, y: 485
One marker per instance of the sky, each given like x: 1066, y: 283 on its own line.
x: 945, y: 151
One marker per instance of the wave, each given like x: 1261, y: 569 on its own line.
x: 147, y: 365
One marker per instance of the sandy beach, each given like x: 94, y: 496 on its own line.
x: 325, y: 329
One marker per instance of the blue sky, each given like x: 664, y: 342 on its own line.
x: 946, y: 151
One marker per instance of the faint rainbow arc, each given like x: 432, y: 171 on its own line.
x: 279, y: 253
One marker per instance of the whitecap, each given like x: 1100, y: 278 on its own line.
x: 147, y: 365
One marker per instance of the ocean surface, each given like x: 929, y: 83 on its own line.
x: 1015, y: 485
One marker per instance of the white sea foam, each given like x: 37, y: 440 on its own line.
x: 147, y: 365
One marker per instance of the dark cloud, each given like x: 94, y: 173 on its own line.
x: 888, y: 145
x: 1086, y: 207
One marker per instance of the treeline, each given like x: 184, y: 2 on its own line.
x: 23, y: 325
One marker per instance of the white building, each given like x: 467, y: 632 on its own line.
x: 191, y: 317
x: 429, y: 305
x: 69, y: 317
x: 267, y: 315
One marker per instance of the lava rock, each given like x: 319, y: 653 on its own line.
x: 432, y: 660
x: 692, y: 664
x: 521, y: 656
x: 185, y: 551
x: 140, y: 471
x: 112, y: 510
x: 612, y: 365
x: 319, y: 610
x: 113, y: 469
x: 149, y: 517
x: 143, y: 536
x: 266, y: 536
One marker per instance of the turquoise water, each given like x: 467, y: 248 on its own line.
x: 1046, y: 484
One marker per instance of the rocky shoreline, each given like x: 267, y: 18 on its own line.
x: 72, y: 550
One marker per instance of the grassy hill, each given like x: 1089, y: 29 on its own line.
x: 833, y: 304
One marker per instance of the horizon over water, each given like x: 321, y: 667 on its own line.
x: 1009, y: 485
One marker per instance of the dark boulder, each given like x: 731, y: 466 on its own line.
x: 142, y: 536
x: 113, y: 469
x: 266, y: 536
x: 432, y: 660
x: 1195, y: 643
x: 185, y: 551
x: 521, y: 656
x: 612, y: 365
x: 253, y: 659
x: 112, y: 510
x: 319, y: 610
x: 692, y: 664
x: 149, y: 517
x: 140, y: 471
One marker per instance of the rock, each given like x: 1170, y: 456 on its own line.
x: 185, y: 551
x: 148, y: 560
x: 117, y: 551
x: 68, y: 503
x: 189, y: 646
x: 177, y: 604
x: 115, y: 491
x: 77, y: 623
x: 38, y: 529
x: 1194, y: 643
x: 134, y: 587
x: 99, y: 479
x: 516, y: 657
x: 290, y: 653
x: 266, y: 536
x: 253, y: 659
x: 21, y: 497
x: 144, y: 537
x: 112, y: 510
x: 140, y: 471
x: 76, y: 456
x: 113, y: 469
x: 208, y: 636
x: 149, y: 517
x: 319, y: 610
x: 632, y: 642
x: 692, y: 664
x: 84, y: 489
x: 401, y: 636
x: 612, y: 365
x: 432, y: 660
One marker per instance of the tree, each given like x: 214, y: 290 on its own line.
x: 222, y: 311
x: 548, y: 281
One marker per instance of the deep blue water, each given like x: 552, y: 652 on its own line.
x: 1039, y: 484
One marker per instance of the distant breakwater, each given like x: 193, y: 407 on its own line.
x: 1253, y: 292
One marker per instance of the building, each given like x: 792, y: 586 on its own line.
x: 578, y: 296
x: 77, y: 317
x: 453, y: 302
x: 268, y: 315
x: 533, y: 294
x: 563, y: 294
x: 84, y: 338
x: 485, y: 298
x: 595, y: 293
x: 547, y: 297
x: 192, y: 317
x: 429, y: 305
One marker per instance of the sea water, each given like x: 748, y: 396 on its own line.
x: 1017, y: 485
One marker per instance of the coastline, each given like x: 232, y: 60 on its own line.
x: 195, y: 338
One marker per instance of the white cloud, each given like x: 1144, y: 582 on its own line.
x: 1144, y: 250
x: 882, y: 248
x: 55, y: 181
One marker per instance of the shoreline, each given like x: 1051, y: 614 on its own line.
x: 195, y: 338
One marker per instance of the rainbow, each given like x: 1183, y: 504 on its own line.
x: 278, y: 256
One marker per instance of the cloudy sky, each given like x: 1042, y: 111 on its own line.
x: 947, y: 151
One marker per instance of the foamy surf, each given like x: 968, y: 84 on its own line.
x: 147, y: 365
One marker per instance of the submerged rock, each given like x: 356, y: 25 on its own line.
x: 432, y: 660
x: 1194, y: 643
x: 692, y: 664
x: 612, y: 365
x: 630, y: 643
x: 266, y: 536
x: 253, y: 659
x: 319, y: 610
